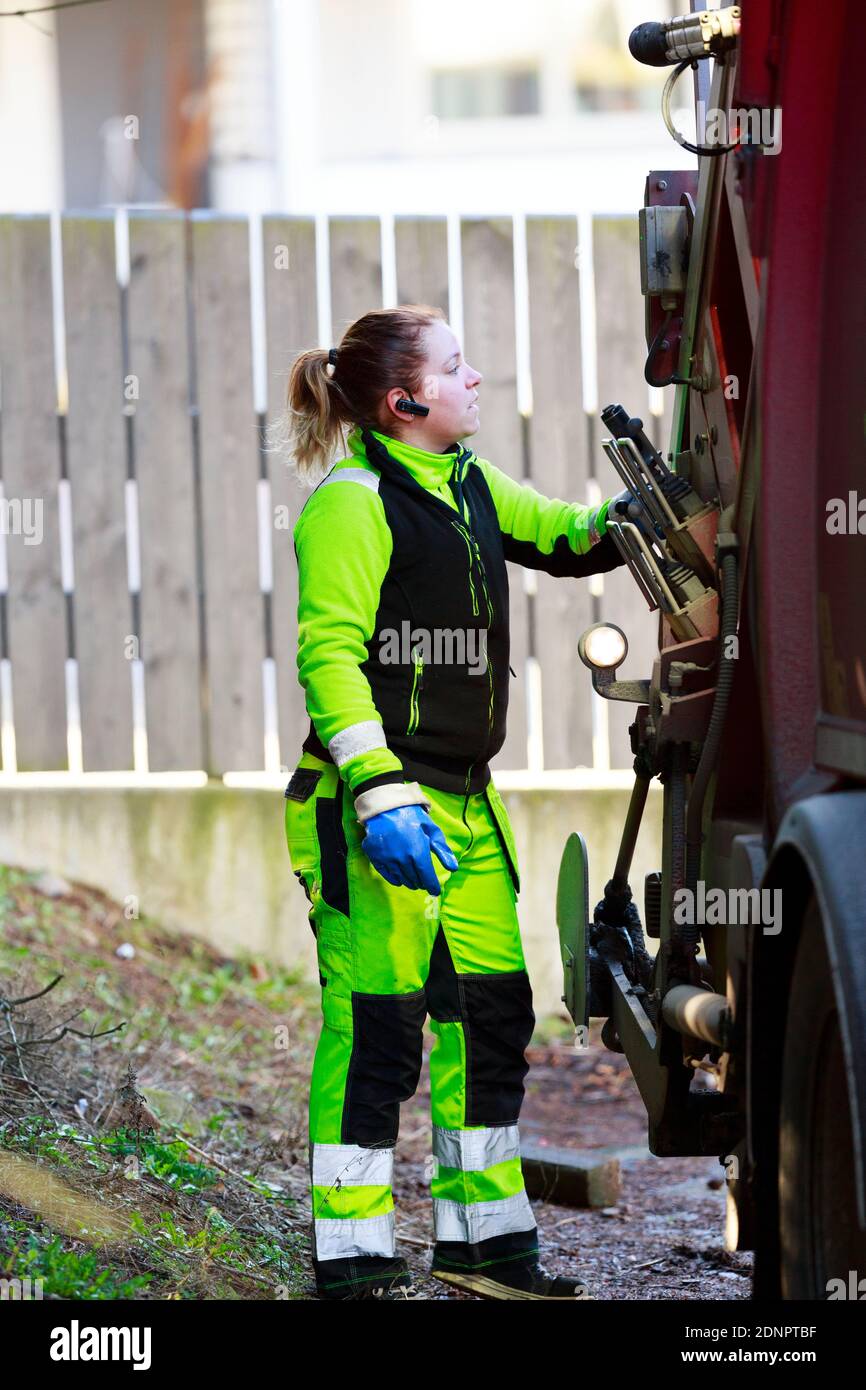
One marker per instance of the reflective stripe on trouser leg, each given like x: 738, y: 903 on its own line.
x: 353, y: 1208
x: 376, y: 948
x: 373, y: 944
x: 480, y: 1002
x: 477, y: 1188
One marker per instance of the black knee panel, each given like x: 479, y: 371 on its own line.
x: 387, y: 1051
x: 498, y: 1022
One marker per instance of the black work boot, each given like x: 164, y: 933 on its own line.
x: 393, y: 1289
x: 370, y: 1276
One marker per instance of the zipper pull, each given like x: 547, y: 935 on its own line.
x: 417, y: 678
x: 512, y: 670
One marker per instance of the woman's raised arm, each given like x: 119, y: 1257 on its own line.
x: 545, y: 533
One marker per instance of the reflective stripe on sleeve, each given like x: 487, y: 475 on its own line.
x: 357, y: 738
x: 352, y: 475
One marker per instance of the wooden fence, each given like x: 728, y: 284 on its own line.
x: 151, y: 622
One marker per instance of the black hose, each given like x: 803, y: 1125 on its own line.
x: 673, y: 379
x: 712, y: 150
x: 710, y: 751
x: 679, y: 761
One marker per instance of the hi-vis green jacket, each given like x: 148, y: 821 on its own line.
x: 403, y: 637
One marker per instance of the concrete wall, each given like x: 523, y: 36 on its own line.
x: 212, y: 860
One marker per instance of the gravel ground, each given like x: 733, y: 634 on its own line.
x: 664, y: 1239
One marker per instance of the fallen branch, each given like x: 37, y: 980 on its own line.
x: 26, y: 998
x: 47, y: 1042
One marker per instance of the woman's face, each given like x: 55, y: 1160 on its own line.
x: 450, y: 389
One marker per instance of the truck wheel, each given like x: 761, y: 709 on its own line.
x: 819, y: 1235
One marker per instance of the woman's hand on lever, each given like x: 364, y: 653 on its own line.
x: 398, y: 844
x: 626, y: 505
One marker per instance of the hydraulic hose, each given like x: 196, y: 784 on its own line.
x: 710, y: 752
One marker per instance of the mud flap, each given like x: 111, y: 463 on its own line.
x: 572, y: 920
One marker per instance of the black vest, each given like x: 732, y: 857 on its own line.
x: 443, y: 716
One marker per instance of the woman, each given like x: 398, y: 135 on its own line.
x: 394, y: 826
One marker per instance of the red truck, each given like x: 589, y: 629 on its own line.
x: 748, y: 536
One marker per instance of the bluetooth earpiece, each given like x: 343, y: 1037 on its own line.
x: 411, y: 406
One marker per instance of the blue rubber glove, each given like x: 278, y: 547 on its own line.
x: 398, y: 844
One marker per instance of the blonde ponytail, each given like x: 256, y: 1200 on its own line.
x: 311, y: 429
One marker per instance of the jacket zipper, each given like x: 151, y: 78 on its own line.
x: 475, y: 550
x: 489, y: 622
x: 414, y: 711
x: 468, y: 540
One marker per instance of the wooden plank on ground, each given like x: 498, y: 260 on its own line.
x: 571, y: 1177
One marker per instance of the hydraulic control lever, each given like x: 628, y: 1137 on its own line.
x: 664, y: 535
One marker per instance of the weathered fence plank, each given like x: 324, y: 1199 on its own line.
x: 96, y: 461
x: 421, y: 245
x: 289, y: 257
x: 558, y: 451
x: 31, y: 472
x: 229, y: 476
x: 621, y: 356
x: 159, y: 363
x: 487, y: 249
x: 356, y: 270
x: 219, y: 723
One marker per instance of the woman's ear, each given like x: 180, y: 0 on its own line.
x: 389, y: 405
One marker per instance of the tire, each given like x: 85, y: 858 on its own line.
x: 819, y: 1235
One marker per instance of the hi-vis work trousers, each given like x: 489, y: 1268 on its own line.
x: 388, y: 957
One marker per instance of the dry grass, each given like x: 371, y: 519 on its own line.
x: 152, y: 1106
